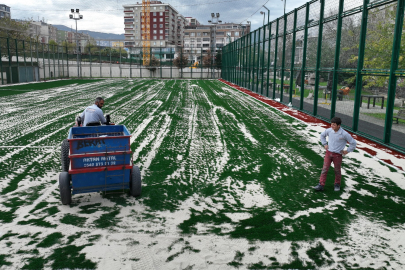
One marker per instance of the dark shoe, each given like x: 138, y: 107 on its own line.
x: 318, y: 187
x: 337, y: 187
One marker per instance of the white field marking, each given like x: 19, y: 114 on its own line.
x: 9, y: 155
x: 380, y: 153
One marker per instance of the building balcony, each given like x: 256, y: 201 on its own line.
x: 129, y: 28
x: 128, y: 35
x: 128, y: 11
x: 128, y: 17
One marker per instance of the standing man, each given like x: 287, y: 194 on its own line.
x: 334, y: 151
x: 93, y: 115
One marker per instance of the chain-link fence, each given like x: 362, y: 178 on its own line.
x: 25, y: 61
x: 331, y: 58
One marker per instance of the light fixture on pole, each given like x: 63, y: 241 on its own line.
x: 264, y: 13
x: 76, y: 16
x: 268, y: 14
x: 214, y: 21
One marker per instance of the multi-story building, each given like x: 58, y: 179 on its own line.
x: 4, y: 11
x: 199, y: 39
x: 166, y: 25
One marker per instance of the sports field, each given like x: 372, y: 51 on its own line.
x: 227, y: 184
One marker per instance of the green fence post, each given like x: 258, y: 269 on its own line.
x: 304, y: 57
x: 18, y: 64
x: 283, y: 59
x: 43, y: 59
x: 254, y: 61
x: 249, y: 48
x: 258, y: 61
x: 1, y: 68
x: 262, y: 70
x: 9, y: 60
x: 268, y: 61
x: 67, y: 59
x: 337, y: 56
x: 36, y: 48
x: 25, y: 62
x: 293, y: 57
x: 91, y: 75
x: 54, y: 68
x: 275, y: 60
x: 360, y: 64
x: 101, y: 65
x: 49, y: 60
x: 396, y: 46
x: 318, y: 58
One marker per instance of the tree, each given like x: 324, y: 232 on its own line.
x: 218, y: 60
x: 152, y: 63
x: 52, y: 42
x: 207, y: 59
x: 180, y: 61
x: 69, y: 45
x: 14, y: 30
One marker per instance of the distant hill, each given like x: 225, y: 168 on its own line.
x: 95, y: 35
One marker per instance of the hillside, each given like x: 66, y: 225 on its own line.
x: 95, y: 35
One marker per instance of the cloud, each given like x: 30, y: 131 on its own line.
x: 107, y: 15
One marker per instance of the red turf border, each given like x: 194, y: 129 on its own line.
x: 310, y: 119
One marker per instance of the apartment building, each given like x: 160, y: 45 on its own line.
x: 5, y: 11
x: 166, y: 25
x: 42, y: 32
x: 199, y: 38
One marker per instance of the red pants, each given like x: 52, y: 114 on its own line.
x: 337, y: 162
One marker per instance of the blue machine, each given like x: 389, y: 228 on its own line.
x: 98, y: 158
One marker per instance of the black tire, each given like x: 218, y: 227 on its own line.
x: 135, y: 184
x: 64, y: 188
x: 64, y: 155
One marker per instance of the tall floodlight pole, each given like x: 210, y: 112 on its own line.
x: 76, y: 16
x: 214, y: 21
x: 285, y: 1
x: 268, y: 14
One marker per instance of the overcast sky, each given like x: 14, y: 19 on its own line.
x: 107, y: 15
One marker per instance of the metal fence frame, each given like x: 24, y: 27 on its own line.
x: 244, y: 60
x: 57, y: 62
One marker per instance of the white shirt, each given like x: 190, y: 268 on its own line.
x: 337, y: 140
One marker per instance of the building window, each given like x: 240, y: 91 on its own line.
x: 154, y: 43
x: 161, y: 25
x: 154, y: 13
x: 160, y: 19
x: 154, y: 37
x: 154, y: 19
x: 154, y: 31
x: 236, y: 34
x: 198, y: 34
x: 161, y: 13
x: 154, y: 26
x: 161, y: 37
x: 192, y: 34
x: 161, y: 43
x: 161, y: 31
x: 154, y: 8
x: 228, y: 33
x: 205, y: 34
x: 136, y: 8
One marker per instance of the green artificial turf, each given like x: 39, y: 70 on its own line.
x: 205, y: 151
x: 11, y: 90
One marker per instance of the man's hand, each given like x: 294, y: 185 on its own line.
x: 344, y: 152
x: 326, y: 146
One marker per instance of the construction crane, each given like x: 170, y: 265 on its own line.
x: 146, y: 31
